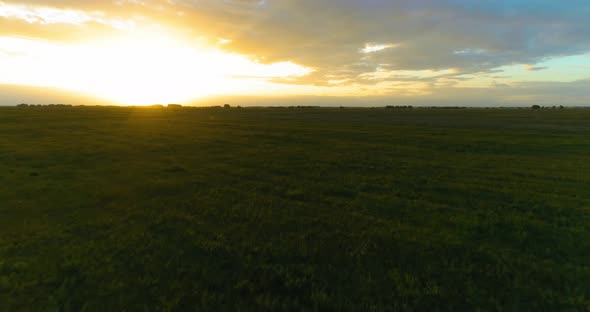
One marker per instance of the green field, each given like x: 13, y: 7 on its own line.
x: 135, y: 209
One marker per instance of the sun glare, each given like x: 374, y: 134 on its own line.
x: 147, y: 70
x: 137, y: 69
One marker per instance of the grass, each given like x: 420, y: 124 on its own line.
x: 131, y: 209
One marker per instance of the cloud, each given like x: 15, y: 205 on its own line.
x: 48, y: 15
x: 517, y: 95
x: 328, y: 34
x: 532, y: 68
x: 496, y: 84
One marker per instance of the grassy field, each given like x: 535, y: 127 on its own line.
x: 134, y: 209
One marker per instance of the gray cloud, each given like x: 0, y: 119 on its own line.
x: 329, y: 34
x: 536, y: 68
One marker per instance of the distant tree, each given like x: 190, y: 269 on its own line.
x: 22, y: 105
x: 536, y: 107
x: 174, y: 106
x: 399, y: 107
x: 226, y: 106
x: 561, y: 107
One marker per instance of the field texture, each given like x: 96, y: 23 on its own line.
x: 134, y: 209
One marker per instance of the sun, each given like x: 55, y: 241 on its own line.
x: 149, y: 69
x: 140, y: 68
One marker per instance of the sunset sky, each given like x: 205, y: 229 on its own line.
x: 331, y: 52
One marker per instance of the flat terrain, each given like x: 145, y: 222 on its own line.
x: 135, y: 209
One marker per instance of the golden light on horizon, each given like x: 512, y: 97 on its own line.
x: 138, y: 68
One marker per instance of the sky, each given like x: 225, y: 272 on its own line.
x: 286, y: 52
